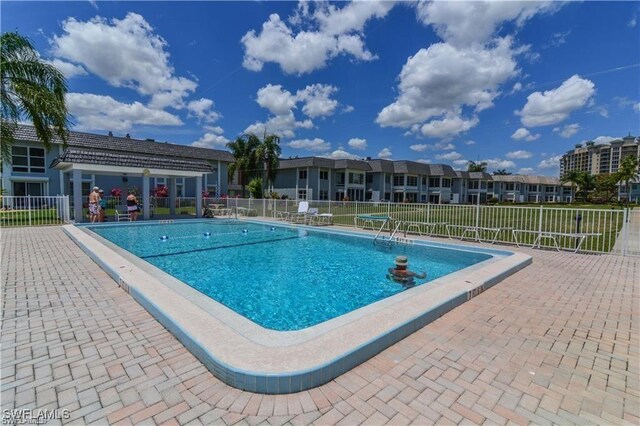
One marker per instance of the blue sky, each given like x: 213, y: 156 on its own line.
x: 514, y: 84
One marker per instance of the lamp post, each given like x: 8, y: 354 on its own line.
x: 578, y: 220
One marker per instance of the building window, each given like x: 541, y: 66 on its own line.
x: 434, y: 182
x: 340, y: 177
x: 302, y: 194
x: 30, y: 160
x: 424, y: 181
x: 474, y: 184
x: 324, y: 175
x: 356, y: 178
x: 398, y: 180
x: 369, y: 178
x: 387, y: 179
x: 510, y: 186
x: 446, y: 183
x: 212, y: 190
x: 323, y: 195
x: 412, y: 180
x: 34, y: 189
x: 490, y: 186
x: 533, y: 188
x: 302, y: 174
x: 549, y: 189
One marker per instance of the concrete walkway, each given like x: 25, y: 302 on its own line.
x: 556, y: 343
x: 632, y: 230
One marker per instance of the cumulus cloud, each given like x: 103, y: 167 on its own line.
x: 438, y: 81
x: 419, y: 147
x: 315, y: 144
x: 550, y: 163
x: 449, y: 156
x: 315, y: 99
x: 466, y: 23
x: 97, y: 112
x: 519, y: 155
x: 554, y: 106
x: 136, y: 57
x: 526, y: 171
x: 67, y: 68
x: 385, y: 153
x: 523, y: 133
x: 326, y: 33
x: 636, y: 107
x: 341, y: 154
x: 357, y: 143
x: 568, y: 130
x: 604, y: 139
x: 497, y: 163
x: 470, y: 142
x: 211, y: 140
x: 202, y: 109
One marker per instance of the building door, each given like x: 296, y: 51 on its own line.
x: 434, y: 199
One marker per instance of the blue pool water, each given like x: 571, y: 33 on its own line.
x: 281, y: 278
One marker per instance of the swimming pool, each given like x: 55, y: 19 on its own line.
x: 277, y: 330
x: 279, y: 277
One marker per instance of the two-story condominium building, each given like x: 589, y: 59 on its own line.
x: 529, y: 189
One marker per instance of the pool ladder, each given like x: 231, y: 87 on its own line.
x: 393, y: 233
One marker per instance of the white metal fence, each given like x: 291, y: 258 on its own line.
x: 596, y: 230
x: 34, y: 211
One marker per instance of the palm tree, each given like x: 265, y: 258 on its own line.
x: 269, y: 153
x: 32, y: 90
x: 628, y: 172
x: 476, y: 167
x: 586, y: 182
x: 501, y: 172
x: 243, y: 150
x: 573, y: 177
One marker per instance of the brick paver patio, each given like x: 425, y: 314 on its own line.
x: 556, y: 343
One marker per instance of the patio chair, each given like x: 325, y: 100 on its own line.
x: 122, y: 213
x: 303, y: 208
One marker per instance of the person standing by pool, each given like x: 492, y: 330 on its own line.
x: 103, y: 206
x: 132, y: 206
x: 94, y: 207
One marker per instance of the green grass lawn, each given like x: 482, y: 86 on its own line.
x: 37, y: 216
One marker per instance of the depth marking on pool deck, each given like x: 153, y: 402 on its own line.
x: 217, y: 248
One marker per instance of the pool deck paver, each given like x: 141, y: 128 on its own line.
x: 558, y: 342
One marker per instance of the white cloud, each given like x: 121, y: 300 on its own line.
x: 516, y: 87
x: 424, y: 161
x: 214, y: 129
x: 385, y: 153
x: 636, y: 107
x: 445, y: 146
x: 341, y: 154
x: 523, y: 133
x: 519, y: 155
x: 440, y: 80
x: 202, y: 109
x: 568, y: 130
x: 470, y: 142
x: 331, y: 32
x: 277, y: 100
x: 461, y: 162
x: 357, y: 143
x: 317, y: 100
x: 281, y: 125
x: 125, y: 53
x: 348, y: 108
x: 466, y: 23
x: 633, y: 22
x: 526, y: 171
x: 604, y: 139
x: 211, y: 140
x: 497, y: 163
x: 554, y: 106
x: 67, y: 68
x: 96, y: 112
x: 419, y: 147
x: 449, y: 156
x: 316, y: 144
x: 550, y: 163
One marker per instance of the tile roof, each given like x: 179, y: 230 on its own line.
x: 129, y: 145
x: 110, y: 158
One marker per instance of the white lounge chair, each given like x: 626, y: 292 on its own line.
x: 303, y: 209
x: 122, y: 213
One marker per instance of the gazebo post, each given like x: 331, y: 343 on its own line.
x: 77, y: 196
x: 173, y: 192
x: 198, y: 196
x: 146, y: 200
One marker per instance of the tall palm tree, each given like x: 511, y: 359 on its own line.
x: 269, y: 153
x: 476, y: 167
x: 628, y: 172
x: 31, y: 90
x: 573, y: 177
x: 243, y: 150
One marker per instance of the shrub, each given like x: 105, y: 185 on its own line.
x: 116, y: 192
x: 255, y: 187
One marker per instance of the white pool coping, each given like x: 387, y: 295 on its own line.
x: 251, y: 357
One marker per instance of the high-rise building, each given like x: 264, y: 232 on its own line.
x: 597, y: 159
